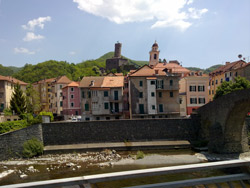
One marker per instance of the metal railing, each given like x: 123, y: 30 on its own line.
x: 87, y: 181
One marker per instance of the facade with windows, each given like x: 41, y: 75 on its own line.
x: 154, y: 93
x: 71, y: 100
x: 193, y: 92
x: 102, y: 98
x: 7, y: 84
x: 227, y: 73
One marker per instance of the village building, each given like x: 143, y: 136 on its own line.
x: 226, y: 73
x: 154, y: 93
x: 102, y: 97
x: 71, y: 100
x: 193, y: 92
x: 7, y: 84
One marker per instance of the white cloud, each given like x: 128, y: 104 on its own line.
x: 32, y: 36
x: 72, y: 53
x: 165, y: 13
x: 23, y: 51
x: 39, y: 22
x: 196, y: 14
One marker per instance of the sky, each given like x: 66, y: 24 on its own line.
x: 197, y: 33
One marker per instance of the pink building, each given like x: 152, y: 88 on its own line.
x: 71, y: 100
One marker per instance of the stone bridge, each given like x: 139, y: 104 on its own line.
x: 223, y: 122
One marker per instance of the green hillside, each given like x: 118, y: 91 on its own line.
x: 206, y: 71
x: 8, y: 71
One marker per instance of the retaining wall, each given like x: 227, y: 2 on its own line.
x: 11, y: 144
x: 119, y: 131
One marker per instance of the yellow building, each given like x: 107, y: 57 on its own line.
x: 223, y: 73
x: 7, y: 84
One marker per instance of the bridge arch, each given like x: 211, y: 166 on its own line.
x: 223, y: 122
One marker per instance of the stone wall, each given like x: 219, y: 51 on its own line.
x: 119, y: 131
x: 11, y: 143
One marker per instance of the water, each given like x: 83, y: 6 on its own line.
x: 47, y: 170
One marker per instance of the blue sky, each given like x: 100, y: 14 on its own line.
x: 197, y: 33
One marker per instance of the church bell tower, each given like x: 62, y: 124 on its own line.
x: 154, y: 55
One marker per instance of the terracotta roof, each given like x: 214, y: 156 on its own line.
x: 117, y: 81
x: 102, y: 82
x: 95, y: 80
x: 195, y: 74
x: 174, y: 65
x: 11, y: 79
x: 151, y: 78
x: 229, y: 66
x: 72, y: 84
x: 148, y: 71
x: 63, y: 80
x: 47, y: 80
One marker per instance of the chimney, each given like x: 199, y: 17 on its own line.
x: 156, y: 71
x: 92, y: 83
x: 227, y: 63
x: 170, y: 70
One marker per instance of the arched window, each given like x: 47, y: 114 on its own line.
x: 155, y: 56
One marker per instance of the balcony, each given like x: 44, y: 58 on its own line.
x: 115, y: 99
x: 169, y: 88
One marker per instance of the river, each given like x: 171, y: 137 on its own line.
x: 49, y: 167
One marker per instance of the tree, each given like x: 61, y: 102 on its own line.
x: 17, y: 101
x: 228, y: 87
x: 32, y: 100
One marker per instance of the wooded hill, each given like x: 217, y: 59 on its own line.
x: 50, y: 69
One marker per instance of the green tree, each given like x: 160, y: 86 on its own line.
x: 32, y: 100
x: 17, y: 101
x: 228, y: 87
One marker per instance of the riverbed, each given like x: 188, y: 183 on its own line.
x: 48, y: 167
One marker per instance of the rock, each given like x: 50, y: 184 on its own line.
x: 5, y: 167
x: 78, y: 166
x: 70, y: 164
x: 23, y: 176
x: 6, y: 173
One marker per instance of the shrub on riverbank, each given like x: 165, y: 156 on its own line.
x: 140, y: 155
x: 32, y: 148
x: 12, y: 126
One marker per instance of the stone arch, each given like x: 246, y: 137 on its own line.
x: 223, y: 122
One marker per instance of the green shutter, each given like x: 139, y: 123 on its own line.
x: 86, y: 107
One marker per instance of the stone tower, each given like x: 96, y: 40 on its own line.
x: 154, y: 55
x: 118, y: 49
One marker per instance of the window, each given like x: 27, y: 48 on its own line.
x: 230, y: 73
x: 87, y: 118
x: 97, y: 118
x: 221, y: 80
x: 61, y: 103
x: 106, y: 94
x: 171, y: 94
x: 107, y: 118
x: 160, y: 84
x: 171, y: 82
x: 216, y: 82
x: 192, y: 88
x: 89, y: 94
x: 72, y: 89
x: 236, y: 74
x: 72, y: 104
x: 193, y: 100
x: 152, y: 82
x: 83, y: 94
x: 160, y: 107
x: 201, y: 100
x: 209, y: 83
x: 153, y: 107
x: 60, y: 86
x: 201, y: 88
x: 86, y: 107
x: 141, y: 83
x: 106, y: 105
x: 180, y: 100
x: 212, y: 92
x: 212, y: 83
x: 141, y: 95
x: 152, y: 94
x: 72, y: 96
x: 209, y: 92
x: 160, y: 94
x: 155, y: 56
x: 141, y: 108
x: 61, y: 94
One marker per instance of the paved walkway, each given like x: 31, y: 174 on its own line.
x: 120, y: 146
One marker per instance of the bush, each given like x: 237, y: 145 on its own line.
x: 140, y: 155
x: 32, y: 148
x: 12, y: 125
x: 46, y: 114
